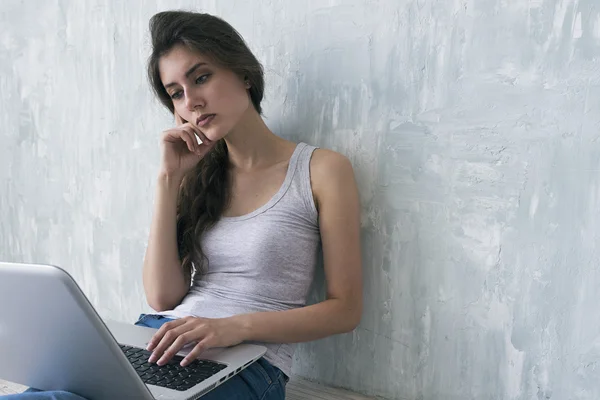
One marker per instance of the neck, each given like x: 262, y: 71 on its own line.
x: 251, y: 144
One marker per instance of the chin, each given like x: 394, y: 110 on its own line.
x: 215, y: 135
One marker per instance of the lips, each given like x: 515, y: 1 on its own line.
x: 204, y: 119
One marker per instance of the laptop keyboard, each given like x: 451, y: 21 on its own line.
x: 171, y: 375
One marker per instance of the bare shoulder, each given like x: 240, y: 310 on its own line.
x: 330, y: 171
x: 327, y: 164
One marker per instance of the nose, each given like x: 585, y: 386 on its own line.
x: 193, y: 100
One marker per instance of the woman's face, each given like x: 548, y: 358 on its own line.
x: 210, y: 97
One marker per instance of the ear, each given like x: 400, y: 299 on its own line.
x: 247, y: 82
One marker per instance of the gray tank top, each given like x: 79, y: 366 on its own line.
x: 262, y: 261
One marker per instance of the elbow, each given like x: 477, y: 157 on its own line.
x: 159, y: 304
x: 352, y: 317
x: 353, y: 322
x: 164, y: 299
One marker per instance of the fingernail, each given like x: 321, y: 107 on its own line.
x: 152, y: 358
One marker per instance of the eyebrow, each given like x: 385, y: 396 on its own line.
x: 187, y: 74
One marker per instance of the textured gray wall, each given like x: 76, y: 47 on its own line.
x: 473, y: 126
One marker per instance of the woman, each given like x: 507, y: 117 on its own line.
x: 239, y: 215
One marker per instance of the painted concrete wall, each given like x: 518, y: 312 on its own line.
x: 474, y: 128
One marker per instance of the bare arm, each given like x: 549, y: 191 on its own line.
x: 165, y: 282
x: 339, y: 219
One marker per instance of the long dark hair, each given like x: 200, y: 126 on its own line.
x: 205, y: 190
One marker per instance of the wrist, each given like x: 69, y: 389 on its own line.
x: 243, y: 325
x: 169, y: 181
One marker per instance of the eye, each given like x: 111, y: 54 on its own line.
x: 176, y: 95
x: 202, y: 78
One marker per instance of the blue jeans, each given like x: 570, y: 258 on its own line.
x: 260, y: 381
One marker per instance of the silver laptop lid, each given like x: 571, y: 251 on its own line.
x: 51, y: 337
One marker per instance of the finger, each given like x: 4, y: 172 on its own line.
x: 172, y: 342
x: 175, y: 347
x: 178, y: 120
x: 175, y: 135
x: 167, y: 340
x: 157, y: 337
x: 204, y: 140
x: 185, y: 135
x: 195, y: 353
x: 192, y: 135
x: 162, y: 331
x: 199, y: 138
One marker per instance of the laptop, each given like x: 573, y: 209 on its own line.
x: 51, y: 338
